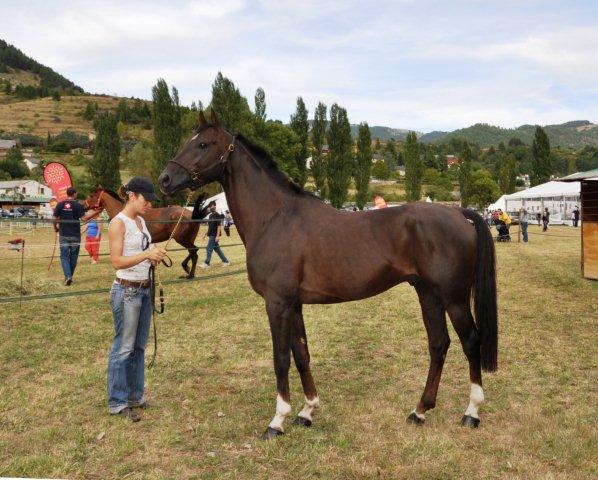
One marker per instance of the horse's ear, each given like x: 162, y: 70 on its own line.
x: 201, y: 119
x: 214, y: 117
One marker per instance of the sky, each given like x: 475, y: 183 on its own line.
x: 421, y: 65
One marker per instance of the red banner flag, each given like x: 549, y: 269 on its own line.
x: 58, y: 178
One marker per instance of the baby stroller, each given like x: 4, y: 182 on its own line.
x: 503, y: 232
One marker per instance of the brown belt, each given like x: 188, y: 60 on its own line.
x: 131, y: 283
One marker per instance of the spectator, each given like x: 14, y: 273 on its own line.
x: 66, y: 224
x: 228, y: 221
x: 576, y: 216
x: 92, y: 240
x: 523, y: 221
x: 213, y: 234
x: 130, y: 298
x: 545, y: 219
x: 539, y: 218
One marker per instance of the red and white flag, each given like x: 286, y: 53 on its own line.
x: 58, y: 178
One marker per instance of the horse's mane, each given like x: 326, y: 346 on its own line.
x: 270, y: 166
x: 112, y: 193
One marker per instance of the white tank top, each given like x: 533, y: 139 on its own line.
x: 132, y: 245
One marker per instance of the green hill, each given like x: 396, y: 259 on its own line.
x: 574, y: 134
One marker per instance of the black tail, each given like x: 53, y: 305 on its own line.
x: 199, y: 209
x: 484, y: 292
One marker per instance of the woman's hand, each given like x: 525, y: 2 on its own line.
x: 155, y: 255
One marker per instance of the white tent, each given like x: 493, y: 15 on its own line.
x: 500, y: 203
x: 559, y: 197
x: 221, y: 204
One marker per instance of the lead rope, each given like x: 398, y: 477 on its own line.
x: 155, y: 277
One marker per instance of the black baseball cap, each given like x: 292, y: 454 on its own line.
x: 142, y: 185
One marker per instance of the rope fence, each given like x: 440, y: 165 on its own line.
x: 80, y: 293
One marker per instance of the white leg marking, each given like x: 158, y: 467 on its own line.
x: 419, y: 415
x: 282, y: 410
x: 309, y: 407
x: 476, y: 397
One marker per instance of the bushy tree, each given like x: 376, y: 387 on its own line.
x: 12, y: 165
x: 340, y: 157
x: 541, y: 157
x: 413, y: 168
x: 508, y: 174
x: 140, y: 159
x: 380, y: 170
x: 483, y: 189
x: 104, y: 168
x: 363, y: 165
x: 283, y: 144
x: 300, y: 126
x: 318, y: 160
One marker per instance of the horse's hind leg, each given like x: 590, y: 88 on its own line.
x: 465, y: 327
x: 438, y: 344
x: 193, y: 257
x: 301, y: 357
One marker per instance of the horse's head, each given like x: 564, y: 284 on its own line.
x: 93, y: 200
x: 201, y: 160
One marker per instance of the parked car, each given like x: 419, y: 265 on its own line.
x: 4, y: 213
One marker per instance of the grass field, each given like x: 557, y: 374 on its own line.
x: 214, y: 389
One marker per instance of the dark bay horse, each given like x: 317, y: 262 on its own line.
x: 102, y: 198
x: 300, y: 250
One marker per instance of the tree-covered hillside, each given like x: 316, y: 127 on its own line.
x: 12, y: 58
x: 575, y: 134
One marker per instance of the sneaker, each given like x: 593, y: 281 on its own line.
x: 68, y: 282
x: 128, y: 412
x: 225, y: 264
x: 204, y: 265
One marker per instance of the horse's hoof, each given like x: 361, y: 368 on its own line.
x: 304, y: 422
x: 415, y: 420
x: 271, y: 433
x: 469, y: 421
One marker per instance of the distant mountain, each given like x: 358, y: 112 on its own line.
x: 574, y: 134
x: 431, y: 136
x: 13, y: 61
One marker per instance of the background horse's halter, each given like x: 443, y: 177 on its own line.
x: 196, y: 175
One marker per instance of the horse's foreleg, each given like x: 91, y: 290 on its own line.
x: 280, y: 315
x: 301, y: 356
x: 465, y: 327
x: 438, y: 344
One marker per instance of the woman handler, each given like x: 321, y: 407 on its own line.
x: 131, y: 256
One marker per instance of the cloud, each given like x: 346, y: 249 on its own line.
x: 422, y: 65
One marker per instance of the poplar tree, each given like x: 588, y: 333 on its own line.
x: 300, y: 126
x: 363, y: 165
x: 507, y: 174
x: 231, y: 107
x: 318, y: 161
x: 541, y: 157
x: 414, y: 169
x: 166, y: 118
x: 339, y: 161
x: 104, y: 168
x: 465, y: 175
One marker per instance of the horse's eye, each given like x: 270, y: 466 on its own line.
x: 202, y: 145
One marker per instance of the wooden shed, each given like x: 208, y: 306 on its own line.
x: 589, y: 221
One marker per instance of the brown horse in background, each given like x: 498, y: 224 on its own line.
x: 185, y: 234
x: 300, y: 250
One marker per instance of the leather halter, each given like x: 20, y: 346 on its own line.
x: 196, y: 175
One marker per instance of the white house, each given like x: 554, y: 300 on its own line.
x: 26, y: 188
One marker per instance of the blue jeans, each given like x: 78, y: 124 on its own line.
x: 132, y: 312
x: 69, y: 253
x: 524, y: 231
x: 214, y: 247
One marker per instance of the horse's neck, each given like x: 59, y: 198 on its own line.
x: 253, y: 197
x: 112, y: 206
